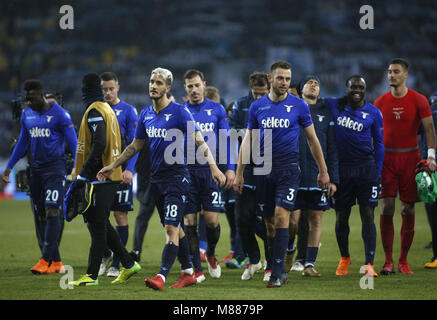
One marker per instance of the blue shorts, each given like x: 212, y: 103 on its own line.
x: 204, y: 193
x: 357, y: 184
x: 170, y: 199
x: 47, y: 186
x: 277, y: 189
x: 123, y: 198
x: 312, y: 200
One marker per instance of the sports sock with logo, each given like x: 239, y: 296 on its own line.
x: 184, y: 253
x: 212, y: 236
x: 51, y: 236
x: 279, y: 248
x: 168, y: 257
x: 311, y: 255
x: 193, y: 241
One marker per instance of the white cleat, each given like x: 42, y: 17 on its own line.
x: 105, y: 263
x: 297, y: 266
x: 250, y: 271
x: 213, y: 267
x: 267, y: 275
x: 113, y: 272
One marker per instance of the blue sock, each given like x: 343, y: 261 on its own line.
x: 368, y: 233
x: 311, y: 255
x: 123, y: 232
x: 193, y: 241
x: 342, y: 234
x: 184, y: 253
x: 51, y: 236
x: 279, y: 248
x: 169, y: 255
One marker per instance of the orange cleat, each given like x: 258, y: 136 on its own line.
x: 343, y: 266
x: 228, y: 257
x: 41, y: 267
x: 370, y: 271
x: 157, y: 283
x: 404, y: 268
x: 185, y: 280
x: 56, y: 267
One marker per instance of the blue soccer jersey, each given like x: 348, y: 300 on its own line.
x: 212, y: 121
x: 45, y: 132
x: 127, y: 117
x: 166, y: 131
x: 284, y: 119
x: 359, y: 134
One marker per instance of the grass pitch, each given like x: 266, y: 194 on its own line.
x: 19, y: 252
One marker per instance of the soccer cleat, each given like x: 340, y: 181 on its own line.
x: 250, y: 270
x: 105, y: 263
x: 267, y: 275
x: 288, y: 261
x: 213, y: 267
x: 309, y: 271
x: 387, y: 269
x: 276, y: 282
x: 185, y: 280
x: 156, y: 283
x: 56, y: 267
x: 200, y: 276
x: 369, y: 270
x: 404, y: 268
x: 41, y: 267
x: 343, y: 266
x: 113, y: 272
x: 228, y: 257
x: 432, y: 264
x: 234, y: 264
x: 126, y: 273
x: 297, y: 266
x: 85, y: 280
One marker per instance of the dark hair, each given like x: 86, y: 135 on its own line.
x: 91, y: 80
x: 32, y: 84
x: 191, y: 73
x: 282, y: 64
x: 108, y: 76
x: 258, y: 79
x: 404, y: 63
x: 212, y: 93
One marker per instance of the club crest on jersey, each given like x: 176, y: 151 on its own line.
x: 208, y: 111
x: 288, y: 107
x: 49, y: 118
x: 117, y: 112
x: 321, y: 117
x: 365, y: 114
x: 398, y: 114
x: 167, y: 116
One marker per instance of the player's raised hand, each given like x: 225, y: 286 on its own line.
x: 104, y: 173
x: 5, y: 175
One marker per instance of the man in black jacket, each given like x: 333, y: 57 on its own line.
x: 311, y: 200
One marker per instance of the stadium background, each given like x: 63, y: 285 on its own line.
x: 225, y: 39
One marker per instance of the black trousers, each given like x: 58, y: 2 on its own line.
x: 245, y: 215
x: 147, y: 206
x: 102, y: 232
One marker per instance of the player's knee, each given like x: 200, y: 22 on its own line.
x: 190, y: 220
x: 407, y: 208
x: 52, y: 212
x: 387, y: 207
x: 121, y: 218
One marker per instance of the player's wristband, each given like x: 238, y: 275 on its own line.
x: 431, y: 153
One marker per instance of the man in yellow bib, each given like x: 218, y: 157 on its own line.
x: 99, y: 144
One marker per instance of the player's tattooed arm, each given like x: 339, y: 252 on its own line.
x: 129, y: 152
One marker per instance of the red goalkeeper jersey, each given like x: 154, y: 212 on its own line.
x: 402, y: 118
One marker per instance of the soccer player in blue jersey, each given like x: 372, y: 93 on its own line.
x: 166, y: 124
x: 279, y: 116
x: 205, y: 194
x: 127, y: 117
x: 359, y: 133
x: 45, y: 126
